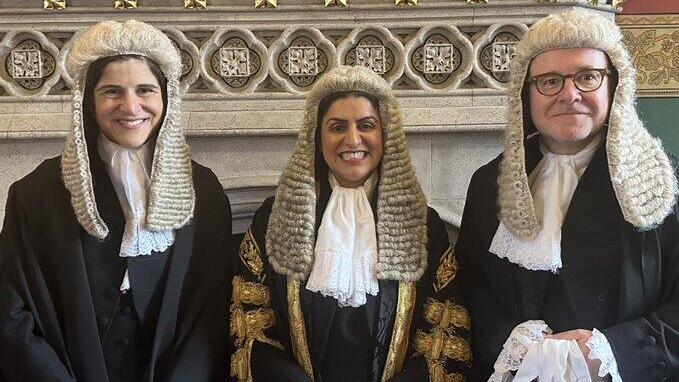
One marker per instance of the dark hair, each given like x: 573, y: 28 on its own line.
x: 96, y: 69
x: 320, y: 167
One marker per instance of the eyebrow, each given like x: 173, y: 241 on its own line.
x: 577, y: 70
x: 112, y: 86
x: 364, y: 119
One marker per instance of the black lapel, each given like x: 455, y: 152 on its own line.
x: 79, y: 321
x: 321, y: 311
x: 632, y: 289
x: 386, y: 313
x: 169, y: 308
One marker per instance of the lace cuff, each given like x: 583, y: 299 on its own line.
x: 523, y: 337
x: 600, y: 349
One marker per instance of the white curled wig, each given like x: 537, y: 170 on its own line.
x: 401, y: 204
x: 171, y: 197
x: 641, y: 172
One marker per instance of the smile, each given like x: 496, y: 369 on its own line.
x: 570, y: 113
x: 353, y: 155
x: 131, y: 123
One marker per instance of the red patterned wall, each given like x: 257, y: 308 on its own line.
x: 650, y: 6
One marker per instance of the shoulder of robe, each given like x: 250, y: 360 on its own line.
x: 42, y: 184
x: 204, y: 179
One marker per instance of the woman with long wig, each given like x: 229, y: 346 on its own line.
x: 346, y: 274
x: 116, y: 251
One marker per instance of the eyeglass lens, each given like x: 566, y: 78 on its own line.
x: 585, y: 80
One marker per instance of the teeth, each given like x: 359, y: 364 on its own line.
x: 353, y: 155
x: 131, y: 122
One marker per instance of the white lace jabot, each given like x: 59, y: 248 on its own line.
x: 129, y: 170
x: 345, y: 254
x: 552, y: 184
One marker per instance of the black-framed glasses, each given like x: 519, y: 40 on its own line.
x: 586, y: 80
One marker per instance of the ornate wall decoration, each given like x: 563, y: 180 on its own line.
x: 329, y: 3
x: 61, y: 59
x: 439, y: 57
x: 189, y: 55
x: 125, y: 4
x: 477, y: 1
x: 51, y: 5
x: 375, y: 48
x: 30, y: 63
x: 233, y: 61
x: 405, y: 2
x: 266, y: 3
x: 195, y: 4
x: 653, y: 43
x: 299, y: 56
x: 494, y: 51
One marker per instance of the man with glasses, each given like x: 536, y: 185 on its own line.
x: 569, y: 244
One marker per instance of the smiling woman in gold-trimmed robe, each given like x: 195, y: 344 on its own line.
x: 413, y: 328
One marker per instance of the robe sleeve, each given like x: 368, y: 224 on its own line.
x: 493, y: 322
x: 25, y: 352
x: 257, y: 353
x: 647, y: 348
x: 440, y: 346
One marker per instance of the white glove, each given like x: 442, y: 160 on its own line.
x: 553, y: 361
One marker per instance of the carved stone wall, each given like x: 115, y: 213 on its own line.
x: 246, y: 71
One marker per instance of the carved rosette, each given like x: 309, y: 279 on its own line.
x: 232, y: 61
x: 300, y: 56
x: 494, y: 51
x: 189, y: 56
x: 439, y: 58
x: 375, y: 48
x: 30, y: 63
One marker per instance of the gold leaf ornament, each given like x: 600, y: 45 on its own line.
x: 446, y: 315
x: 125, y: 4
x: 337, y: 3
x: 195, y: 4
x: 405, y: 2
x: 51, y: 5
x: 477, y: 1
x: 249, y: 293
x: 266, y: 3
x: 447, y: 269
x: 617, y: 4
x: 437, y: 345
x: 251, y: 256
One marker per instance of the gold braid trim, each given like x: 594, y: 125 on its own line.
x: 248, y: 326
x: 446, y: 315
x: 399, y: 337
x: 437, y: 345
x: 447, y: 269
x: 300, y: 345
x: 240, y: 362
x: 438, y: 374
x: 249, y: 293
x: 250, y: 255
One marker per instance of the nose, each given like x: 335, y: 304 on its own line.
x: 569, y: 93
x: 130, y: 103
x: 353, y: 136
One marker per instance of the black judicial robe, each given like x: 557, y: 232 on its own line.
x: 283, y: 332
x: 51, y: 322
x: 623, y: 281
